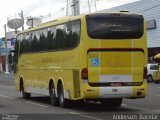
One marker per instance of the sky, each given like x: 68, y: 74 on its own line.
x: 46, y: 9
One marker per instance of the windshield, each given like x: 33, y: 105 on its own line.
x: 115, y: 26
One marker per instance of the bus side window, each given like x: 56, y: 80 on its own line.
x: 69, y: 27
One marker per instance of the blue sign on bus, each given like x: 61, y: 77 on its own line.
x: 95, y: 62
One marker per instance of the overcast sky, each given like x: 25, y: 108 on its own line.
x: 45, y: 7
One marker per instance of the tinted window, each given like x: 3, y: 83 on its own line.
x: 25, y: 42
x: 116, y: 26
x: 72, y: 34
x: 60, y: 37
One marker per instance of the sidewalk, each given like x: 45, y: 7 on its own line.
x: 6, y: 76
x: 6, y: 79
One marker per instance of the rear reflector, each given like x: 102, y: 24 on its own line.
x: 84, y: 73
x: 145, y: 73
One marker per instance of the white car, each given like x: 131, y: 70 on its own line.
x: 150, y: 69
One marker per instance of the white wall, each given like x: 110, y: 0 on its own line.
x: 151, y: 10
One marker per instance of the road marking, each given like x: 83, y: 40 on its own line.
x: 10, y: 86
x: 154, y: 87
x: 37, y: 104
x: 156, y: 110
x: 7, y: 97
x: 86, y: 116
x: 142, y: 108
x: 136, y: 107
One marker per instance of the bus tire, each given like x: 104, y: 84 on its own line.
x: 62, y: 101
x: 53, y: 98
x: 25, y: 95
x: 149, y: 78
x: 112, y: 102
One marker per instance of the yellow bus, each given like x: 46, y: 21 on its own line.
x: 98, y: 57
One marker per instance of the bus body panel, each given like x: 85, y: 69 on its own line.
x: 115, y: 66
x: 43, y: 67
x: 114, y: 61
x: 114, y: 92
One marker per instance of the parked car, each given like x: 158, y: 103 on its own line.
x: 151, y: 68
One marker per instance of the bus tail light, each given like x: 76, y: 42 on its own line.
x: 84, y: 74
x: 145, y: 73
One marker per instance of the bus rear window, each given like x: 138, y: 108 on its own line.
x: 120, y: 26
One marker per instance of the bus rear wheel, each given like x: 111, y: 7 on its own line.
x: 112, y: 102
x: 53, y: 98
x: 62, y: 101
x: 25, y: 95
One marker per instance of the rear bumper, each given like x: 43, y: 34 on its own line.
x: 114, y: 92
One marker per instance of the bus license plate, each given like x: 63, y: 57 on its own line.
x: 116, y: 84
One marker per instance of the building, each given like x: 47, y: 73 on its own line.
x: 10, y: 36
x: 151, y: 10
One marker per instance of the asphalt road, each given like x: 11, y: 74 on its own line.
x: 12, y: 105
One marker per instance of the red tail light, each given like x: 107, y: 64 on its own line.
x: 145, y: 73
x: 84, y: 73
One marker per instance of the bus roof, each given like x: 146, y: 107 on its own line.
x: 67, y: 19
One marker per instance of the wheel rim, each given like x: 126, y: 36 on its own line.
x: 52, y: 95
x: 52, y: 91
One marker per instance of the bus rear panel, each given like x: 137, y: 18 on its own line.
x: 115, y: 51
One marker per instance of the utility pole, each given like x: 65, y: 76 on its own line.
x: 67, y: 7
x: 1, y: 69
x: 75, y: 7
x: 22, y: 16
x: 92, y: 5
x: 6, y: 58
x: 89, y: 6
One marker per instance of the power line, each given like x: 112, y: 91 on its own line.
x: 53, y: 14
x: 70, y: 4
x: 91, y: 5
x: 85, y: 9
x: 50, y: 15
